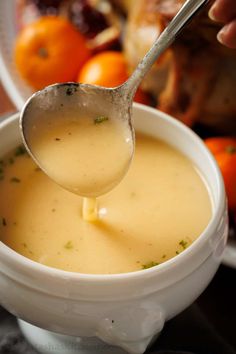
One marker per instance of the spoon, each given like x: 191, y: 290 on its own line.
x: 45, y: 108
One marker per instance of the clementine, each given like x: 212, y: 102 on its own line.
x: 108, y: 69
x: 50, y: 50
x: 224, y: 151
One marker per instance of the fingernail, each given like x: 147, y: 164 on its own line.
x: 211, y: 13
x: 221, y: 35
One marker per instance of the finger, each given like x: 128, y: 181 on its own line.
x: 223, y: 11
x: 227, y: 35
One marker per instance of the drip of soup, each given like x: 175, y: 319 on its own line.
x: 161, y: 206
x: 89, y: 209
x: 86, y: 154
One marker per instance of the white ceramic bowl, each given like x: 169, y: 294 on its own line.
x: 125, y: 310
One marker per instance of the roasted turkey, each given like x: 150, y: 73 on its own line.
x: 195, y: 80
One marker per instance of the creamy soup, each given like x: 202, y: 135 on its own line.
x: 160, y: 207
x: 86, y: 154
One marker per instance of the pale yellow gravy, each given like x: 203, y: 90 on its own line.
x: 88, y: 155
x: 160, y: 207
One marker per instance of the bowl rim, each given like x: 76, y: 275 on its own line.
x: 218, y: 212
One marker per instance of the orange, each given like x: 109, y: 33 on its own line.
x: 50, y: 50
x: 108, y: 69
x: 224, y: 151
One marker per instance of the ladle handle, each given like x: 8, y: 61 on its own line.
x: 187, y: 11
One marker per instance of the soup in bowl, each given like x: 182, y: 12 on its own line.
x: 156, y: 245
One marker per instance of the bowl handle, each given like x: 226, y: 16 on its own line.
x: 132, y: 327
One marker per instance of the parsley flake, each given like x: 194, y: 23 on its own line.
x: 69, y: 245
x: 150, y: 265
x: 183, y: 243
x: 20, y: 151
x: 100, y: 119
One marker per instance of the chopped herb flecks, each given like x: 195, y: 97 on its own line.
x: 149, y: 265
x: 24, y: 244
x: 183, y: 243
x: 20, y: 151
x: 15, y: 180
x: 100, y: 119
x: 69, y: 245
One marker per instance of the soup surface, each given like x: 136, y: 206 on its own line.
x: 86, y: 154
x: 160, y: 207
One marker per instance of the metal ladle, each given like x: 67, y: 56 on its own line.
x: 113, y: 102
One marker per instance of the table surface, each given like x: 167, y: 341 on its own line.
x: 218, y: 301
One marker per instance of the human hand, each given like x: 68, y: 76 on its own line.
x: 225, y: 11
